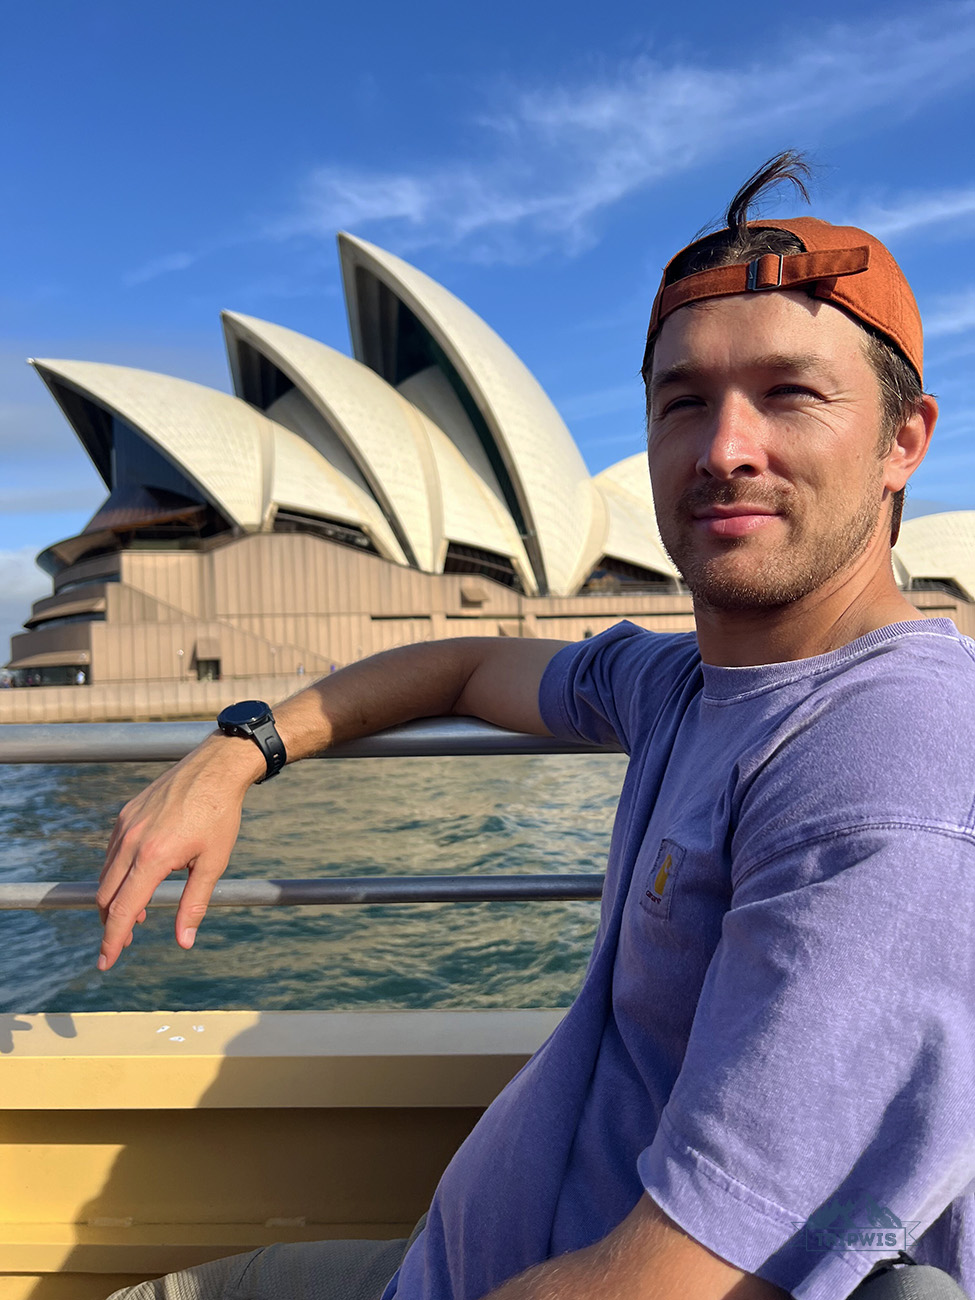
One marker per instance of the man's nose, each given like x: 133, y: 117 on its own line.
x: 733, y: 444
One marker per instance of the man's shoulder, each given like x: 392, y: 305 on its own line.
x: 625, y: 650
x: 620, y: 677
x: 922, y: 673
x: 888, y: 739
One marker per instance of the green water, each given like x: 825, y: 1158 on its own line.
x: 379, y: 816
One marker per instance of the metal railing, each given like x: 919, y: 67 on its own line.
x: 130, y: 742
x: 111, y: 742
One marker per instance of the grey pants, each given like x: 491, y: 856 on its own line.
x: 307, y: 1270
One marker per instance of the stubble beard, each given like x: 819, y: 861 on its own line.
x: 779, y: 576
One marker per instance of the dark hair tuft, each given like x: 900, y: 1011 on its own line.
x: 788, y: 166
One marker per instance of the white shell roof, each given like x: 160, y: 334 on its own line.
x: 240, y: 460
x: 430, y: 391
x: 472, y: 513
x: 217, y: 441
x: 436, y: 496
x: 940, y: 546
x: 549, y: 475
x: 303, y: 480
x: 632, y: 534
x: 377, y: 426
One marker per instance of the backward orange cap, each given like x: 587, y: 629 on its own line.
x: 841, y: 265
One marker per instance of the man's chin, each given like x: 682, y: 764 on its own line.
x: 742, y: 600
x: 730, y: 587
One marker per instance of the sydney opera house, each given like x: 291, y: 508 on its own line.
x: 336, y: 506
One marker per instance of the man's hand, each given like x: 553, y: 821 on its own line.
x: 648, y: 1257
x: 188, y: 818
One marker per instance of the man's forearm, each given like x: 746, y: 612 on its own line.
x: 396, y: 686
x: 648, y: 1257
x: 488, y: 677
x: 576, y: 1276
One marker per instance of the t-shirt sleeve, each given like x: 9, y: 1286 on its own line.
x: 829, y: 1080
x: 602, y: 690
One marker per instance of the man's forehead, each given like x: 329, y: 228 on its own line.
x: 776, y: 327
x: 791, y: 363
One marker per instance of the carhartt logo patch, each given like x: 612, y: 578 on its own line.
x: 658, y: 888
x: 660, y: 884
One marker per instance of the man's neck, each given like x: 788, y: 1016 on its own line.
x: 848, y: 607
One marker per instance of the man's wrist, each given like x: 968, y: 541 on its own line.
x: 253, y: 720
x: 237, y: 756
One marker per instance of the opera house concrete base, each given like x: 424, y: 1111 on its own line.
x: 182, y: 695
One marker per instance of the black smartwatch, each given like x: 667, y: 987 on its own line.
x: 254, y: 720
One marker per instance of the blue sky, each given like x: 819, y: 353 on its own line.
x: 168, y: 161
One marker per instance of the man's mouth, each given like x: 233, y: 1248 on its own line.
x: 738, y: 520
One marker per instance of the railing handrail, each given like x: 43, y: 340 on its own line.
x: 130, y: 742
x: 47, y: 895
x: 107, y: 742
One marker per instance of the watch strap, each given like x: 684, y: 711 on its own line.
x: 253, y: 720
x: 265, y: 735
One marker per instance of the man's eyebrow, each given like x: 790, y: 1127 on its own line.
x: 683, y: 372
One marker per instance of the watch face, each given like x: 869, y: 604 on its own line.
x: 245, y: 711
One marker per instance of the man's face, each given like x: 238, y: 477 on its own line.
x: 765, y: 447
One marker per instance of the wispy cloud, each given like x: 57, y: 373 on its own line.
x: 954, y: 315
x: 915, y: 212
x: 158, y: 266
x: 554, y: 159
x: 604, y: 401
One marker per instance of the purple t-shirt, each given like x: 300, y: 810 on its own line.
x: 776, y: 1033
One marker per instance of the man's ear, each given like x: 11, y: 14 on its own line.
x: 910, y: 445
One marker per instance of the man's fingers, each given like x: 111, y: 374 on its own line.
x: 123, y: 896
x: 113, y: 843
x: 119, y: 859
x: 204, y: 874
x: 121, y: 831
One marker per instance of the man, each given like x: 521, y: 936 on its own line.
x: 776, y: 1023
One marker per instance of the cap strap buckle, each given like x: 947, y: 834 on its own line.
x: 761, y: 273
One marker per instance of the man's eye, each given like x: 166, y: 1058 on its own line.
x: 680, y: 403
x: 792, y: 390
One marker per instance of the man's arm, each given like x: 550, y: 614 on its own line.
x: 646, y: 1258
x: 190, y: 816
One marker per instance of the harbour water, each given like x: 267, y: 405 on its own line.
x: 360, y: 817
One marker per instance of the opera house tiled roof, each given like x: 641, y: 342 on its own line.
x: 435, y: 435
x: 310, y: 517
